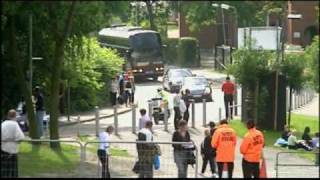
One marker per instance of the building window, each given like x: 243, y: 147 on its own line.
x: 296, y: 35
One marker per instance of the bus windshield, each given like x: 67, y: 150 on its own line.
x: 144, y: 41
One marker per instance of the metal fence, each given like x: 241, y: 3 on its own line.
x: 76, y: 159
x: 123, y: 155
x: 289, y: 167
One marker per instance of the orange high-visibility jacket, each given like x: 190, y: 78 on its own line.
x: 224, y: 140
x: 252, y: 145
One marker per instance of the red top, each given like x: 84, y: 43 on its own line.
x: 228, y: 87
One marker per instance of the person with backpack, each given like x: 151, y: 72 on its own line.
x: 208, y: 154
x: 224, y: 141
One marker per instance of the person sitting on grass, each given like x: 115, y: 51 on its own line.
x: 315, y: 141
x: 294, y: 144
x: 306, y: 136
x: 283, y: 140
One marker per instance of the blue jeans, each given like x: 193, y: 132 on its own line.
x: 180, y: 158
x: 40, y: 116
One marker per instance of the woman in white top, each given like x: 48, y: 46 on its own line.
x: 10, y: 134
x: 103, y: 151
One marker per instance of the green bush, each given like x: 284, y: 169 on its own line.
x: 90, y: 72
x: 171, y: 51
x: 187, y: 51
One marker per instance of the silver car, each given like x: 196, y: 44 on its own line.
x: 173, y: 79
x: 199, y: 88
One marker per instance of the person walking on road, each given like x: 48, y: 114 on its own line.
x: 176, y: 108
x: 146, y: 151
x: 10, y: 134
x: 103, y: 151
x: 114, y: 90
x: 208, y: 154
x: 224, y: 141
x: 212, y: 127
x: 186, y: 98
x: 229, y: 90
x: 40, y: 111
x: 181, y: 151
x: 143, y: 119
x: 251, y: 148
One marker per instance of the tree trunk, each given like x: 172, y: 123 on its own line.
x: 56, y: 76
x: 290, y: 106
x: 21, y: 80
x: 151, y: 17
x: 256, y: 100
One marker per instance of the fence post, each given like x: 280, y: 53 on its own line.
x: 78, y: 120
x: 219, y: 113
x: 150, y: 109
x: 97, y: 120
x: 204, y: 112
x: 165, y: 117
x: 193, y: 113
x: 115, y: 114
x: 134, y: 115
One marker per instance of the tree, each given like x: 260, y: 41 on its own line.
x: 293, y: 68
x: 312, y: 58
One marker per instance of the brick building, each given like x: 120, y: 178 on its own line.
x: 299, y: 31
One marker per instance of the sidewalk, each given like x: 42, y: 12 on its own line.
x: 105, y: 112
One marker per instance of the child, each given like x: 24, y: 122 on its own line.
x: 208, y: 154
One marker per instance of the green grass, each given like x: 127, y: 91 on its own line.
x: 298, y: 122
x: 34, y: 162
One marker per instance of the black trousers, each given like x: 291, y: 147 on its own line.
x: 146, y: 170
x: 212, y: 163
x: 228, y: 100
x: 132, y: 97
x: 177, y: 117
x: 230, y: 169
x: 9, y: 165
x: 250, y: 169
x: 186, y: 115
x: 113, y: 98
x: 104, y: 159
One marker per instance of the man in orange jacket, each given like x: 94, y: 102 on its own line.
x: 224, y: 141
x: 251, y: 148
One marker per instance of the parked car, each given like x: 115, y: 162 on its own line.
x: 199, y: 88
x: 173, y: 78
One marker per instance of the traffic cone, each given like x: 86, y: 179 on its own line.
x: 263, y: 169
x: 225, y: 171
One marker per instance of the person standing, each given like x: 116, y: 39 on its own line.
x: 103, y: 151
x: 121, y: 84
x: 114, y: 90
x: 251, y: 148
x: 39, y: 109
x: 186, y: 98
x: 176, y: 108
x: 208, y: 154
x: 143, y: 119
x: 10, y: 134
x: 212, y: 127
x: 146, y: 151
x: 224, y: 141
x: 128, y: 93
x: 133, y: 88
x: 181, y: 151
x: 228, y: 89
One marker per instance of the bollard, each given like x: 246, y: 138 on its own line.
x: 204, y: 112
x: 193, y: 113
x: 97, y: 120
x: 150, y: 109
x: 78, y: 120
x: 165, y: 117
x: 115, y: 113
x: 219, y: 113
x: 134, y: 115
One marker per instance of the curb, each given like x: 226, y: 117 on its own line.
x: 93, y: 119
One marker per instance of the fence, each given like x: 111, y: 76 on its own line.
x: 289, y: 167
x: 76, y: 159
x: 299, y: 98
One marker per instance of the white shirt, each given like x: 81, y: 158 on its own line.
x: 104, y: 137
x: 143, y: 120
x: 10, y: 131
x: 182, y: 106
x: 114, y: 86
x: 148, y: 134
x: 176, y: 100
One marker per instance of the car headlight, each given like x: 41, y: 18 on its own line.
x: 207, y: 90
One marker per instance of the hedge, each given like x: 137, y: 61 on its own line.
x: 187, y: 51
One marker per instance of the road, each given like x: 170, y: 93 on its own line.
x: 147, y: 90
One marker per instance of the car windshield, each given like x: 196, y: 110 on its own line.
x: 196, y: 81
x: 180, y: 73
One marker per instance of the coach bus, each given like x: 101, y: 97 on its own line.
x: 142, y: 49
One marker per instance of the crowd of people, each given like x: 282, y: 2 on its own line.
x: 289, y: 139
x: 122, y: 89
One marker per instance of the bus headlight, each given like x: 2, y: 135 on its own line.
x: 161, y: 68
x: 157, y: 69
x: 140, y: 70
x: 207, y: 90
x: 134, y: 70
